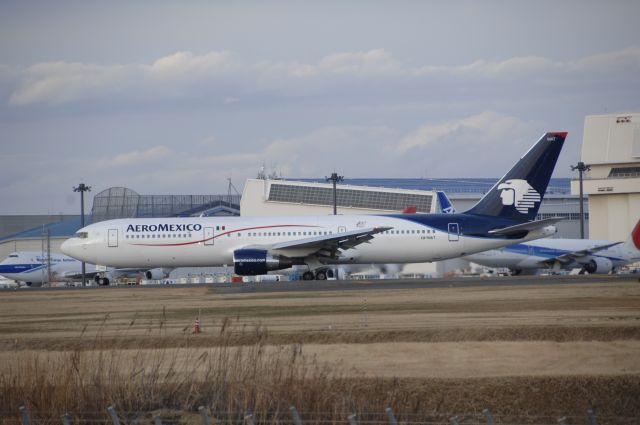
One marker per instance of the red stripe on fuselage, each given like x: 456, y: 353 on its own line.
x: 222, y: 234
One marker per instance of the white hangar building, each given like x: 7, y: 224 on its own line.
x: 611, y: 148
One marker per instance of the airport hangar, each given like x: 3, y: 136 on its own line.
x: 611, y: 148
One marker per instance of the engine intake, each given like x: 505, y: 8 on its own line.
x: 252, y: 262
x: 156, y: 274
x: 598, y: 265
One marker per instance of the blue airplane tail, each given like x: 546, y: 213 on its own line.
x: 445, y: 204
x: 519, y: 193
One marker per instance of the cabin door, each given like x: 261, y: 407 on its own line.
x: 113, y: 238
x: 208, y: 235
x: 454, y: 232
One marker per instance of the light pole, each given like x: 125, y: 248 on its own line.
x: 82, y: 188
x: 335, y: 178
x: 581, y: 167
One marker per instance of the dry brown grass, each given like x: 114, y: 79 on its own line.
x: 81, y: 351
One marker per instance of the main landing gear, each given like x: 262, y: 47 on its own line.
x: 320, y: 274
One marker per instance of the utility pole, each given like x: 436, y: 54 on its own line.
x: 82, y: 188
x: 581, y: 167
x: 335, y: 178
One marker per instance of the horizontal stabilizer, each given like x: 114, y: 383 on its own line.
x: 524, y: 227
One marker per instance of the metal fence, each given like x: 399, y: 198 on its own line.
x: 204, y: 417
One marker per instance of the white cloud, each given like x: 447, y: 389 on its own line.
x: 486, y: 128
x: 135, y: 158
x: 187, y: 75
x: 187, y: 65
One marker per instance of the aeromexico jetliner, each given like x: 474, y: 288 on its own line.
x: 257, y: 245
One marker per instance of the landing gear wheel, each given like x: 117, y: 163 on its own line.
x: 321, y: 275
x: 307, y: 276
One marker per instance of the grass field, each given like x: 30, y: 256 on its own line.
x: 522, y: 351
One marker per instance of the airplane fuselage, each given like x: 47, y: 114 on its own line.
x: 31, y: 267
x: 212, y: 241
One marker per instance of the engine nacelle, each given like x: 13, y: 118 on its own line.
x: 598, y: 265
x: 253, y: 262
x: 156, y: 274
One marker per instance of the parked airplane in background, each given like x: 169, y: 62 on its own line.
x: 445, y: 204
x: 257, y: 245
x: 30, y: 267
x: 592, y: 256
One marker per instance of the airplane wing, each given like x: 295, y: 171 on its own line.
x: 576, y: 255
x: 327, y: 245
x: 524, y: 227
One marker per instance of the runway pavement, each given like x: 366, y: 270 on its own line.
x: 368, y: 284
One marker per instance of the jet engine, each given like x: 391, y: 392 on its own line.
x: 598, y: 265
x: 252, y: 262
x: 156, y: 274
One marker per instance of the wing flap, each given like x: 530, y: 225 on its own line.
x: 329, y: 245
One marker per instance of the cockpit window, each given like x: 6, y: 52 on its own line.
x: 13, y: 256
x: 81, y: 235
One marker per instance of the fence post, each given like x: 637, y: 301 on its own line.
x: 488, y: 416
x: 563, y: 420
x: 114, y: 415
x: 353, y: 419
x: 248, y: 419
x: 66, y: 419
x: 157, y: 420
x: 204, y: 415
x: 454, y: 420
x: 26, y: 419
x: 593, y: 420
x: 390, y: 416
x: 297, y: 420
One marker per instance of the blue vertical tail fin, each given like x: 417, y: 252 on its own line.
x: 445, y: 204
x: 519, y: 193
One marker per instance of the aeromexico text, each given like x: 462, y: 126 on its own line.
x: 164, y: 228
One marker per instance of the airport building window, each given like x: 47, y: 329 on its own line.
x: 354, y: 198
x: 618, y: 172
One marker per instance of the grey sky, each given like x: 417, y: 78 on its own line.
x: 175, y: 97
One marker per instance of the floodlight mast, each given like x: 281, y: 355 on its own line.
x: 581, y: 167
x: 82, y: 188
x: 335, y: 178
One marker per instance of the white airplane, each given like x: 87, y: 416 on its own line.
x: 257, y: 245
x: 30, y: 267
x: 592, y: 256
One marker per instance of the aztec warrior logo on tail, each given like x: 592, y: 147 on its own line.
x: 520, y: 194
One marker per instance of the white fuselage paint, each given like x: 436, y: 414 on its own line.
x: 30, y: 266
x: 115, y: 243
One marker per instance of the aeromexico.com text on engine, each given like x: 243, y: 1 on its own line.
x: 164, y: 228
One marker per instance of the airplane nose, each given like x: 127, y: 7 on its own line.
x: 68, y: 247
